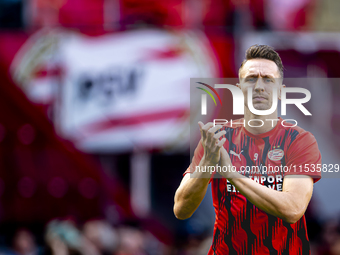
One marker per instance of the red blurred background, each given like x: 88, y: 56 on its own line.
x: 94, y: 115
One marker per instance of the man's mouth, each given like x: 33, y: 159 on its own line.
x: 259, y: 98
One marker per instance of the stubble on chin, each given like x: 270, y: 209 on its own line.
x: 261, y: 106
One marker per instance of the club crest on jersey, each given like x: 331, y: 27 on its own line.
x: 276, y: 154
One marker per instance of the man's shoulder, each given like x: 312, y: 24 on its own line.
x: 292, y: 128
x: 295, y: 134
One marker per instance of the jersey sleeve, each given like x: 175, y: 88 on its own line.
x: 304, y: 157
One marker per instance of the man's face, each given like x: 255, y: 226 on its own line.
x: 263, y: 76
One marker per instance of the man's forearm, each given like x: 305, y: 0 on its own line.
x: 191, y: 192
x: 289, y: 204
x: 282, y: 204
x: 271, y: 201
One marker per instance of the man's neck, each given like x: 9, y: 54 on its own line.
x: 269, y: 122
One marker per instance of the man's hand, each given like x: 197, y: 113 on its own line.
x: 211, y: 142
x: 191, y: 191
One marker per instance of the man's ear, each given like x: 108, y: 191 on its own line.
x: 238, y: 85
x: 282, y: 86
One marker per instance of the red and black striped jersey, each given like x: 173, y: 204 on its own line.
x: 241, y: 227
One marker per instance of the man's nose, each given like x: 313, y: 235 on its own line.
x: 259, y: 86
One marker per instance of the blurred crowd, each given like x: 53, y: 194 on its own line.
x: 328, y: 242
x: 98, y: 236
x: 94, y: 237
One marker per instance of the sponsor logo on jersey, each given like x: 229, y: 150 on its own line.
x: 276, y: 154
x: 235, y: 154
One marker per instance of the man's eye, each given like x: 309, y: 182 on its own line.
x: 250, y: 79
x: 269, y: 80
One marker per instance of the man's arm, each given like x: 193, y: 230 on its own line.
x: 289, y: 205
x: 191, y: 191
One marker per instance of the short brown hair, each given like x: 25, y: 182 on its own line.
x: 265, y: 52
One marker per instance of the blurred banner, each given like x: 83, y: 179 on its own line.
x: 116, y: 92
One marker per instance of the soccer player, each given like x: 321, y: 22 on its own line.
x: 259, y: 207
